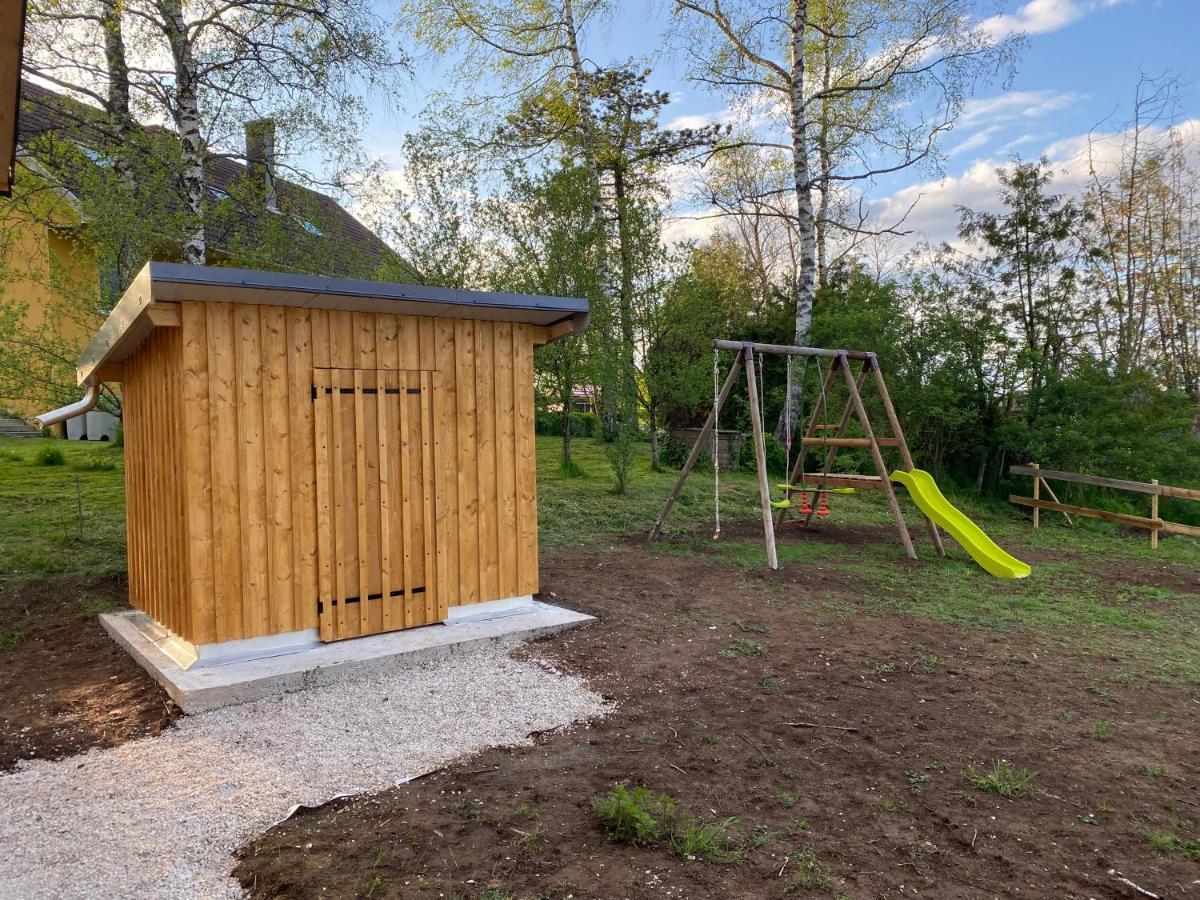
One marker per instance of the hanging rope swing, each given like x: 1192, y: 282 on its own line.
x: 716, y: 444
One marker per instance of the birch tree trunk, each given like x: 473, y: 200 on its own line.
x: 587, y: 123
x: 118, y: 87
x: 806, y: 230
x: 187, y: 123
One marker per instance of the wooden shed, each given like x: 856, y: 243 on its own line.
x: 323, y: 457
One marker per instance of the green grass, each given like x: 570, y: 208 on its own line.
x: 1168, y: 842
x: 39, y: 530
x: 1003, y: 779
x: 1155, y: 629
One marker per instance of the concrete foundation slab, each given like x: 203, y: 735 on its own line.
x: 200, y: 689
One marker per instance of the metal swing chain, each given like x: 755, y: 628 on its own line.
x: 716, y: 444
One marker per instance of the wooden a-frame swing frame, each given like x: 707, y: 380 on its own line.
x: 840, y: 361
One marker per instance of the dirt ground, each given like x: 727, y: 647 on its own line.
x: 65, y: 687
x: 849, y: 741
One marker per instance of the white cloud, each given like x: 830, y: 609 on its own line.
x: 934, y: 204
x: 1035, y: 17
x: 695, y: 121
x: 975, y: 141
x: 1016, y: 105
x: 1019, y: 141
x: 696, y: 227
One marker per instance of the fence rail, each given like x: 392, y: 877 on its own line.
x: 1152, y: 523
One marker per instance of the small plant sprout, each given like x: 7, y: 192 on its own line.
x: 1153, y: 770
x: 1103, y: 730
x: 916, y: 779
x: 809, y: 873
x: 786, y: 800
x: 1003, y: 779
x: 744, y: 647
x: 888, y: 804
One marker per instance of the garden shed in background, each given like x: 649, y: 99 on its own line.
x: 317, y: 457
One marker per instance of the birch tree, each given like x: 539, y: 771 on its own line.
x: 209, y: 66
x: 889, y: 51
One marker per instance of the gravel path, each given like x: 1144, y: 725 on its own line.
x: 160, y: 817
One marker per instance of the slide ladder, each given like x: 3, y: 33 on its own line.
x: 983, y: 549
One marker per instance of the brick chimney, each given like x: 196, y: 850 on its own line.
x: 260, y: 157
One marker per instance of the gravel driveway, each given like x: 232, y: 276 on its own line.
x: 160, y: 817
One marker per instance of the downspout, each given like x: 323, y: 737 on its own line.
x: 71, y: 410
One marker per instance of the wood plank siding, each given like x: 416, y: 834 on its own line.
x: 155, y: 491
x: 225, y: 443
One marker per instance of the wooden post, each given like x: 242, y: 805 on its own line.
x: 1154, y: 515
x: 1037, y: 493
x: 760, y: 457
x: 888, y: 491
x: 905, y: 457
x: 698, y: 447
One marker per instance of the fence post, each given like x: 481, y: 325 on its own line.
x: 1154, y: 515
x: 1037, y: 493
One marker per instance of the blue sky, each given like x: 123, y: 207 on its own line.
x: 1080, y: 66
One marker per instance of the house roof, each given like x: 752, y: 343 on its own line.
x: 47, y: 113
x: 12, y: 36
x: 158, y: 286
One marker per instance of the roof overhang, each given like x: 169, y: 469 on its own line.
x: 150, y: 300
x: 12, y: 37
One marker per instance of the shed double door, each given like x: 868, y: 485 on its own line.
x: 376, y: 553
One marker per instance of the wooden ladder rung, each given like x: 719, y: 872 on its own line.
x: 849, y: 442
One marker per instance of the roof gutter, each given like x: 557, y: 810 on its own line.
x: 71, y: 410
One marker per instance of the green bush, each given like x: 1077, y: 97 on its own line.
x: 672, y: 452
x: 49, y: 456
x: 583, y: 424
x: 777, y: 463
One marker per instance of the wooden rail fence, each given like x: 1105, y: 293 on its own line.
x: 1152, y: 523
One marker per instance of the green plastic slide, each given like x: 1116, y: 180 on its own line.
x: 983, y: 549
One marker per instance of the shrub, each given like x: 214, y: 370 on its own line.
x: 49, y: 456
x: 672, y: 452
x: 549, y: 422
x: 777, y: 462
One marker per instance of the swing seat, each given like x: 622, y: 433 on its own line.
x: 782, y: 504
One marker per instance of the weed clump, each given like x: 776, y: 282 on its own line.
x: 1168, y: 842
x: 744, y: 647
x: 1003, y: 779
x: 49, y: 456
x: 640, y: 818
x: 629, y: 817
x: 809, y: 871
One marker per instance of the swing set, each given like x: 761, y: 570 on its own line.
x: 855, y: 368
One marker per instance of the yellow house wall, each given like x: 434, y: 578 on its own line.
x: 40, y: 269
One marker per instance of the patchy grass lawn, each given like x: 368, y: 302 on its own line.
x: 857, y: 723
x: 61, y: 519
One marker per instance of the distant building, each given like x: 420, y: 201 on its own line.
x: 254, y: 218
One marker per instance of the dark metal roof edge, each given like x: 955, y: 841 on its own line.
x: 216, y: 276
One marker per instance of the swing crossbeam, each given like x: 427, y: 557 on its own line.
x: 841, y: 359
x: 788, y: 350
